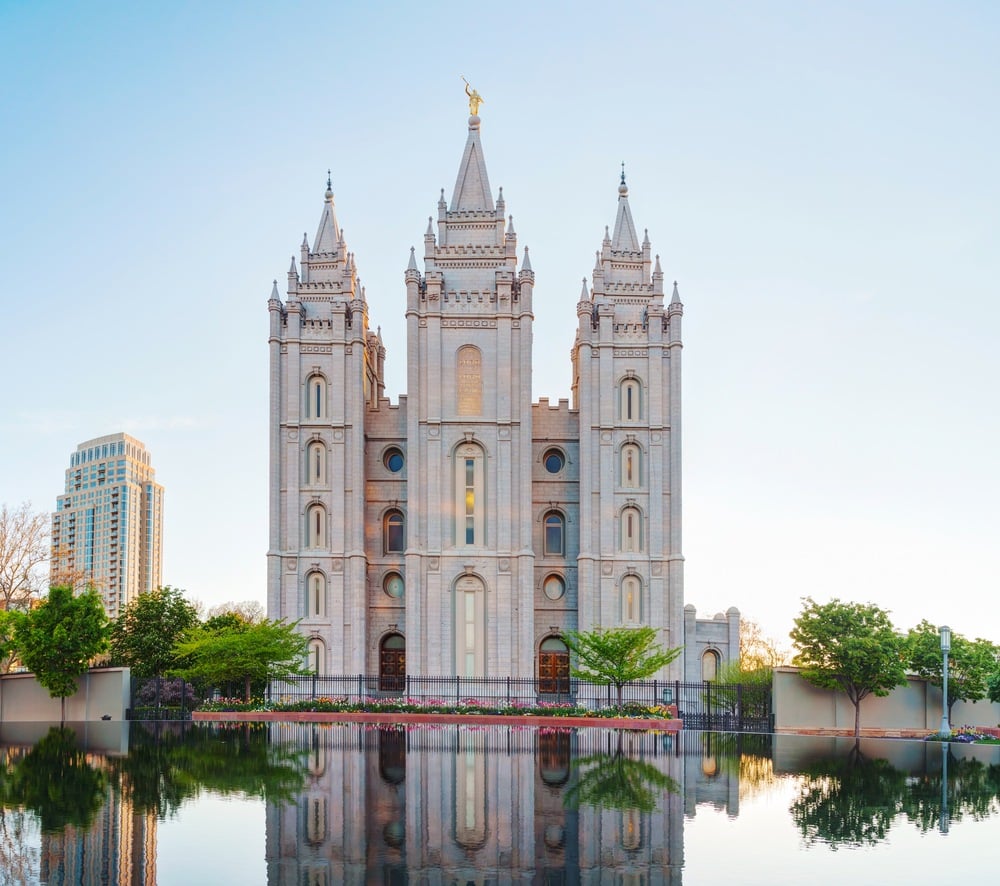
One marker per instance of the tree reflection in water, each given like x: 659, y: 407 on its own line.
x: 169, y: 763
x: 617, y: 781
x: 56, y: 783
x: 853, y: 800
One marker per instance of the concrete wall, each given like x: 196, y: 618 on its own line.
x: 917, y: 705
x: 100, y: 692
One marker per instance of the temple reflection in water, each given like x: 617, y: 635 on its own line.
x: 466, y: 805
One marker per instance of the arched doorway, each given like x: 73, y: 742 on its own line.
x: 553, y: 667
x: 392, y: 664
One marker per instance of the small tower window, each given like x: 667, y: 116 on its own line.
x: 631, y: 400
x: 315, y: 526
x: 631, y: 530
x: 630, y: 466
x: 393, y: 533
x: 631, y: 591
x: 555, y: 530
x: 315, y: 396
x: 315, y: 595
x: 316, y: 463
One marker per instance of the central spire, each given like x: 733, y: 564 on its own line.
x: 472, y: 187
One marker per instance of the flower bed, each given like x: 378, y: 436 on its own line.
x: 425, y: 710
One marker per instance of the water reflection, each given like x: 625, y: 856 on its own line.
x: 851, y: 797
x: 349, y: 804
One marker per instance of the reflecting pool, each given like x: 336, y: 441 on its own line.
x: 320, y: 804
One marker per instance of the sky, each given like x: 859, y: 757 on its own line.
x: 820, y: 178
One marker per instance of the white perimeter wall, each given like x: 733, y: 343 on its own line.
x: 100, y: 692
x: 917, y: 705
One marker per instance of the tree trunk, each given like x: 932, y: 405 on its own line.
x: 62, y: 709
x: 246, y: 690
x: 857, y: 720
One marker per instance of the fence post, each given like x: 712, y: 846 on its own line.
x: 360, y: 686
x: 458, y: 685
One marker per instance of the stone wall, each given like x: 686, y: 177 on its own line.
x: 101, y: 692
x: 915, y: 706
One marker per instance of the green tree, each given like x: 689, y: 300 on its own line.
x: 851, y: 647
x: 144, y: 635
x: 970, y: 662
x: 8, y: 649
x: 57, y: 640
x: 244, y: 653
x: 616, y: 656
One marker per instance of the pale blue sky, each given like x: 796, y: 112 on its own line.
x: 821, y: 179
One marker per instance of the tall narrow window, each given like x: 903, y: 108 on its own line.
x: 554, y: 544
x: 631, y: 530
x: 470, y: 520
x: 315, y: 396
x: 316, y: 658
x: 470, y: 627
x: 316, y: 595
x: 315, y: 526
x: 631, y: 591
x: 630, y: 466
x: 709, y: 665
x: 631, y: 402
x: 393, y: 533
x: 316, y: 463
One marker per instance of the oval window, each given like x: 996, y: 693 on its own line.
x: 554, y: 587
x: 393, y: 460
x: 393, y: 585
x: 554, y: 461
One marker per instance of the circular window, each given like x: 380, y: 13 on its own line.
x: 393, y: 585
x: 393, y: 460
x: 554, y: 460
x: 554, y: 587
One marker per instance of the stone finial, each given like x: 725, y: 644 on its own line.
x: 675, y: 299
x: 510, y: 226
x: 430, y: 227
x: 412, y: 266
x: 585, y: 293
x: 526, y: 264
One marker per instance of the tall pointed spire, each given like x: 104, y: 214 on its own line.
x: 472, y: 186
x: 624, y: 239
x: 327, y: 234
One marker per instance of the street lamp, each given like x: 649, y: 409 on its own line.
x: 945, y: 633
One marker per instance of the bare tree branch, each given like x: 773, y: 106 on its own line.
x: 24, y: 547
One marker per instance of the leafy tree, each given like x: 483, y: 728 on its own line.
x: 143, y: 636
x: 242, y: 654
x: 616, y: 656
x: 970, y: 662
x: 8, y: 649
x: 57, y: 639
x: 851, y: 647
x: 24, y: 546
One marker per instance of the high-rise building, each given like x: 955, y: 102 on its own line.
x: 463, y: 529
x: 107, y: 526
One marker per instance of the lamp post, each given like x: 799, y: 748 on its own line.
x: 945, y: 633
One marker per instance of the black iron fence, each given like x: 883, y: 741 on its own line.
x: 161, y: 698
x: 702, y: 705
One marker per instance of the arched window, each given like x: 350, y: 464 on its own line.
x: 315, y: 595
x: 631, y: 829
x: 470, y: 626
x: 393, y: 532
x: 631, y: 400
x: 392, y: 664
x: 553, y: 666
x: 470, y: 496
x: 631, y: 530
x: 316, y: 819
x: 631, y: 591
x: 316, y: 656
x: 315, y: 526
x: 709, y: 664
x: 554, y: 541
x: 631, y: 466
x: 315, y: 396
x: 316, y: 463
